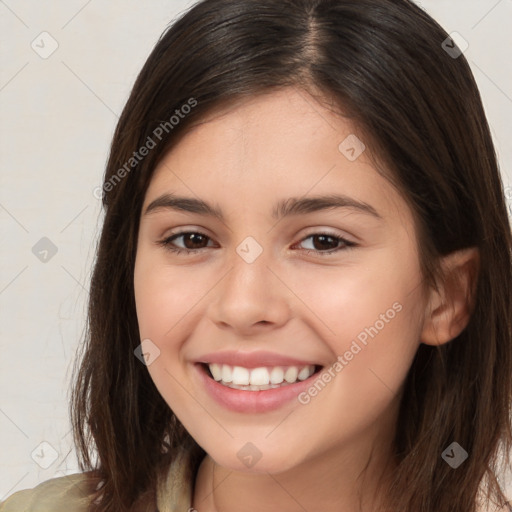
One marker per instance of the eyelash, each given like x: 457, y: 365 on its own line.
x: 166, y: 243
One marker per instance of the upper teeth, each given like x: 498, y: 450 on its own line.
x: 262, y: 376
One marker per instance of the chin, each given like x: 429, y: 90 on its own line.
x: 250, y: 459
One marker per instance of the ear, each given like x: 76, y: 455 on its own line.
x: 449, y: 308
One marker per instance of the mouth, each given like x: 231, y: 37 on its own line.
x: 258, y: 379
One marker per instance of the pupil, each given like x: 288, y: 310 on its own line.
x: 323, y: 239
x: 191, y: 237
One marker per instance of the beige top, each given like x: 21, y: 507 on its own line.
x: 65, y: 494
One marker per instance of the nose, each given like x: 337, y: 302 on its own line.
x: 250, y: 297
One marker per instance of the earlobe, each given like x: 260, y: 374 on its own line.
x: 450, y: 307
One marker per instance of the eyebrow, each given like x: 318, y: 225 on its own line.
x: 283, y: 208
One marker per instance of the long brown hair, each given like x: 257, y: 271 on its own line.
x: 382, y: 63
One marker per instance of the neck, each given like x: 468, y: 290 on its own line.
x: 343, y: 478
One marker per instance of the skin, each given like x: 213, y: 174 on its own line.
x: 289, y: 300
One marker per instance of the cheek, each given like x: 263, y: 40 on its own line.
x: 375, y: 343
x: 169, y: 303
x: 355, y: 301
x: 369, y: 314
x: 371, y: 319
x: 163, y: 297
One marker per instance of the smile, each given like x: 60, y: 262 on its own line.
x: 258, y: 379
x: 256, y: 389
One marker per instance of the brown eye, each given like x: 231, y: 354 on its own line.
x: 326, y: 244
x: 193, y: 241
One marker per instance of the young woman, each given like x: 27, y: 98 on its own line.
x: 302, y: 292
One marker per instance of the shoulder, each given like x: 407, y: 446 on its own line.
x: 69, y: 493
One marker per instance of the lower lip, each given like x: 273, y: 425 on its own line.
x: 253, y: 401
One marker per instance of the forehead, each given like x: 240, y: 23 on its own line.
x: 275, y: 145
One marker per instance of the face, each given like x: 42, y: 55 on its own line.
x: 273, y: 283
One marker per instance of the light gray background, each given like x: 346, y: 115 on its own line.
x: 57, y: 119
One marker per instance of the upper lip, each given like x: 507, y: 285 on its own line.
x: 253, y: 359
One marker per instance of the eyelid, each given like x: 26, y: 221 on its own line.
x: 177, y: 234
x: 315, y: 230
x: 331, y: 232
x: 166, y: 242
